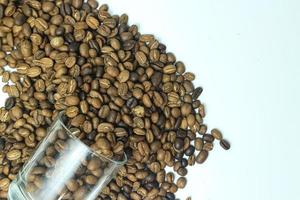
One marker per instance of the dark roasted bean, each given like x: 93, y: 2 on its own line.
x: 225, y: 144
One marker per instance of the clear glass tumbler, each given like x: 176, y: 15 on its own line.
x: 63, y: 168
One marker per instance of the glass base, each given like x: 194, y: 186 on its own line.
x: 16, y: 193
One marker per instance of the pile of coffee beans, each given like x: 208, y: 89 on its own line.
x: 121, y: 90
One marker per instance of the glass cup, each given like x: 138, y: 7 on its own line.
x: 63, y: 168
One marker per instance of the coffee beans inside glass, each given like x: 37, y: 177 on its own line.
x: 63, y: 168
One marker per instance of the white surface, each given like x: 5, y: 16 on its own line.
x: 246, y: 57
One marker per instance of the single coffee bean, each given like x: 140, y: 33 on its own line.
x: 13, y: 155
x: 2, y: 143
x: 208, y: 146
x: 169, y: 69
x: 225, y: 144
x: 190, y: 150
x: 178, y: 145
x: 198, y: 144
x: 77, y: 3
x: 202, y: 156
x: 80, y: 193
x: 181, y: 182
x: 103, y: 143
x: 217, y: 134
x: 184, y: 162
x: 72, y: 185
x: 91, y: 180
x: 72, y: 100
x: 141, y: 58
x: 4, y: 183
x: 72, y: 111
x: 20, y: 19
x: 208, y: 138
x: 9, y: 103
x: 170, y: 196
x: 182, y: 171
x: 197, y: 92
x: 34, y: 72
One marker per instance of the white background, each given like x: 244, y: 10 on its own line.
x: 246, y: 57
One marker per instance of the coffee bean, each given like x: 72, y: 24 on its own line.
x: 94, y: 164
x: 141, y: 58
x: 80, y: 193
x: 4, y: 183
x: 48, y: 6
x: 26, y: 48
x: 182, y: 171
x: 201, y: 157
x: 10, y: 103
x: 190, y: 151
x: 72, y: 185
x: 169, y: 69
x: 105, y: 127
x: 91, y: 180
x: 72, y: 111
x: 170, y: 196
x: 208, y: 146
x: 20, y: 19
x: 217, y: 134
x: 34, y: 72
x: 198, y: 143
x: 92, y: 22
x: 197, y: 92
x: 181, y: 182
x: 208, y: 138
x: 41, y: 24
x: 123, y: 76
x: 2, y: 143
x: 16, y: 112
x: 13, y: 155
x: 184, y: 162
x: 178, y: 145
x: 72, y: 100
x: 103, y: 143
x: 225, y: 144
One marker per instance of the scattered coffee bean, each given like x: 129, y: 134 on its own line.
x: 225, y: 144
x: 181, y: 182
x: 10, y: 103
x: 201, y: 157
x: 217, y: 134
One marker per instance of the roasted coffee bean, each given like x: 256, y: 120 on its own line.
x: 208, y: 146
x: 13, y: 155
x: 225, y: 144
x: 2, y: 143
x: 181, y: 182
x: 178, y: 145
x: 184, y: 162
x: 10, y: 103
x: 72, y: 185
x: 198, y: 144
x: 197, y: 92
x: 217, y: 134
x: 190, y: 150
x: 182, y: 171
x: 208, y: 138
x: 72, y: 100
x: 201, y: 157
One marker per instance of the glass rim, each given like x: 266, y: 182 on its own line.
x: 69, y: 132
